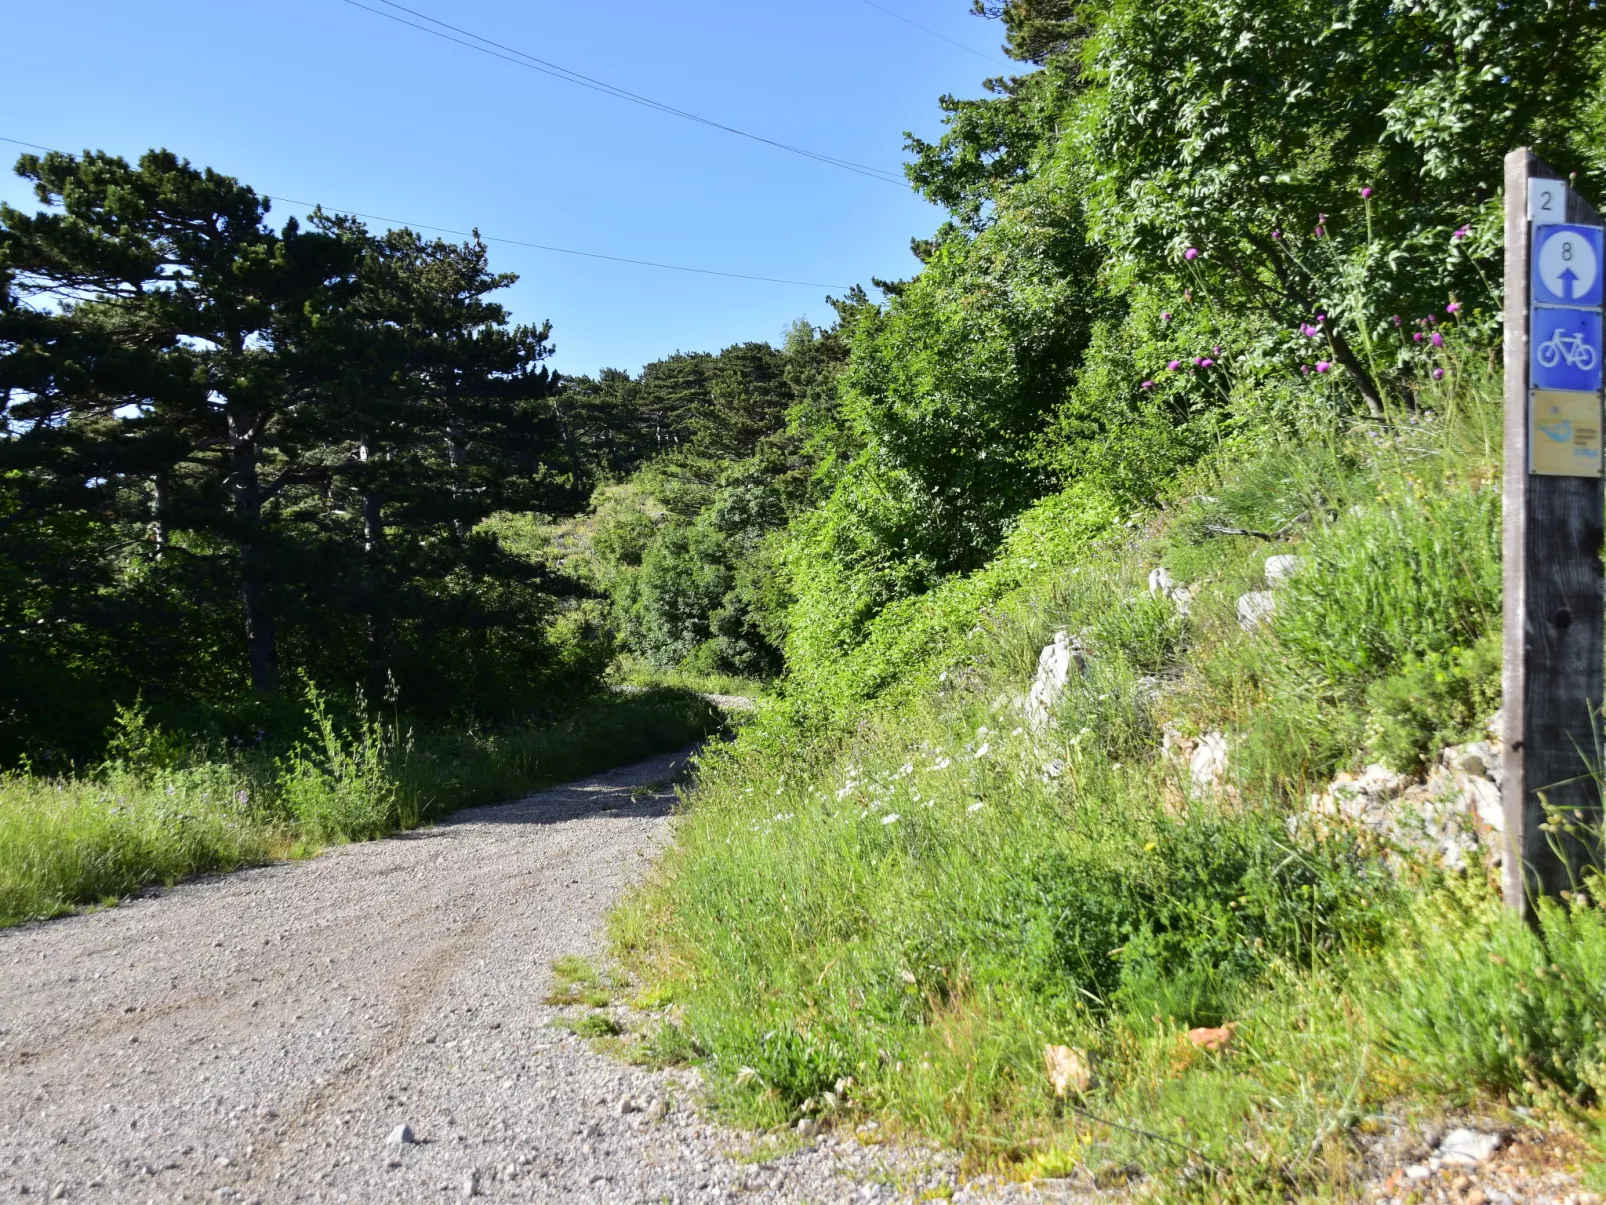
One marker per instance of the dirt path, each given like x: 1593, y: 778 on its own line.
x: 256, y: 1038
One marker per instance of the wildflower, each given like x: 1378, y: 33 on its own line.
x: 942, y: 763
x: 1187, y: 294
x: 1461, y: 233
x: 1437, y: 339
x: 1215, y: 351
x: 983, y: 751
x: 1396, y: 320
x: 1438, y: 374
x: 1320, y: 232
x: 1453, y: 307
x: 1207, y: 362
x: 1321, y: 317
x: 1417, y: 337
x: 1191, y: 253
x: 1165, y: 315
x: 1146, y: 385
x: 976, y: 807
x: 890, y: 818
x: 1366, y: 194
x: 1305, y: 368
x: 1277, y: 234
x: 1322, y: 365
x: 1174, y: 365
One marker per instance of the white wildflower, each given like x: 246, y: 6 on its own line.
x: 976, y: 807
x: 942, y: 763
x: 890, y: 818
x: 983, y: 751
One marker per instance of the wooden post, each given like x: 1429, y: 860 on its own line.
x: 1554, y: 660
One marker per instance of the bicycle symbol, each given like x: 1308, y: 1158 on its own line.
x: 1562, y: 348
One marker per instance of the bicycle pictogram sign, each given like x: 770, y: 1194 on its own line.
x: 1565, y: 349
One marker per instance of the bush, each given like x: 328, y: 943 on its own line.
x: 1433, y: 700
x: 1414, y: 574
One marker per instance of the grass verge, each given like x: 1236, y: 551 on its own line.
x: 160, y: 814
x: 922, y: 916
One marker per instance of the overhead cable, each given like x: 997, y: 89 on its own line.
x: 438, y: 28
x: 513, y: 242
x: 991, y: 58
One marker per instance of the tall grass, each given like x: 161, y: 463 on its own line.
x: 900, y: 920
x: 159, y: 812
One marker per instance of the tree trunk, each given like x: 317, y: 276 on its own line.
x: 375, y: 603
x: 246, y: 487
x: 456, y: 455
x: 159, y: 513
x: 1357, y: 371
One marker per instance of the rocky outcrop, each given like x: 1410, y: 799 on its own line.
x: 1059, y: 659
x: 1451, y: 814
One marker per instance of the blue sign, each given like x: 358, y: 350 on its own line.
x: 1567, y: 265
x: 1565, y: 349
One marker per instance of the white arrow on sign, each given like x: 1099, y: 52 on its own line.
x: 1567, y: 265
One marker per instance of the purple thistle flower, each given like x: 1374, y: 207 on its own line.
x: 1320, y: 233
x: 1191, y: 253
x: 1305, y: 368
x: 1438, y: 339
x: 1366, y: 194
x: 1322, y: 365
x: 1276, y: 234
x: 1187, y: 295
x: 1417, y: 337
x: 1174, y: 365
x: 1461, y: 233
x: 1207, y: 362
x: 1215, y: 351
x: 1396, y: 320
x: 1321, y: 317
x: 1146, y: 385
x: 1438, y: 374
x: 1165, y: 315
x: 1452, y: 307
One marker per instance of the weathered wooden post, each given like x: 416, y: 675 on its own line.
x: 1553, y: 528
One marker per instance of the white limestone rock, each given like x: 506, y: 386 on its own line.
x: 1058, y: 661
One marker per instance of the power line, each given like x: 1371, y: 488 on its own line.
x: 940, y: 36
x: 521, y: 58
x: 513, y: 242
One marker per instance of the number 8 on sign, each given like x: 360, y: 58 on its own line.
x: 1567, y: 266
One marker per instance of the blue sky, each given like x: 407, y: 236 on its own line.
x: 321, y: 101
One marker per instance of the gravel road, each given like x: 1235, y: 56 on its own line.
x: 257, y: 1037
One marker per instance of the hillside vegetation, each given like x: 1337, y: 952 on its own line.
x: 1218, y: 283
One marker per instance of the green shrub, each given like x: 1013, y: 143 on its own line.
x: 1414, y: 573
x: 1432, y: 700
x: 346, y: 785
x: 1471, y: 998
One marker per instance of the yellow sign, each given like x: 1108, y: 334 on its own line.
x: 1564, y: 433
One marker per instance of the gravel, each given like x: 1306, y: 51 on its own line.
x: 369, y: 1025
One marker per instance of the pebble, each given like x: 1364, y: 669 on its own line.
x: 659, y: 1109
x: 471, y: 1184
x: 1467, y: 1148
x: 402, y: 1135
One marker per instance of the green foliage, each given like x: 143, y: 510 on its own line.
x: 1433, y: 700
x: 230, y: 448
x: 345, y: 786
x: 1469, y: 996
x: 1414, y: 573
